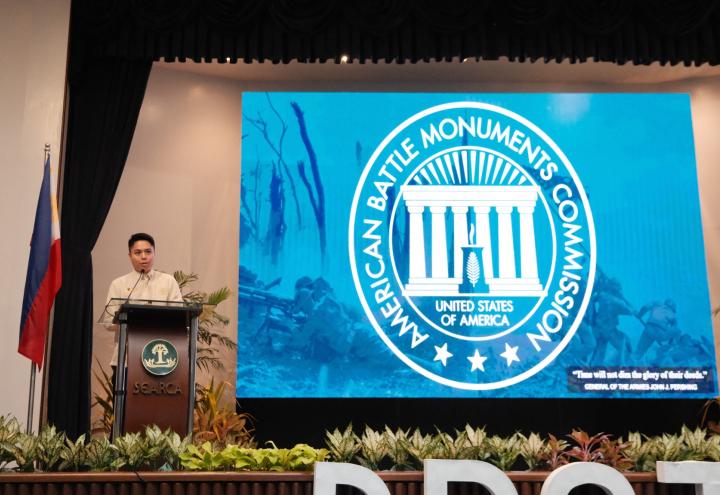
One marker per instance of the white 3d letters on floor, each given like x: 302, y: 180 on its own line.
x: 704, y: 475
x: 438, y: 473
x: 330, y: 474
x: 565, y: 478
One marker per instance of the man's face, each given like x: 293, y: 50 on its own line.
x: 142, y: 256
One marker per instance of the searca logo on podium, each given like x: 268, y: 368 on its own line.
x: 472, y: 245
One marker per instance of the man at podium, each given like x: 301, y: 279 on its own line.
x: 141, y: 283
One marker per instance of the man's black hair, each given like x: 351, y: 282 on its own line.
x: 140, y: 236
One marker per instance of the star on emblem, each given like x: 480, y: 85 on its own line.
x: 477, y: 361
x: 442, y: 354
x: 510, y: 354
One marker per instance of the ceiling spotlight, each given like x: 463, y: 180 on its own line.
x: 227, y: 59
x: 344, y: 59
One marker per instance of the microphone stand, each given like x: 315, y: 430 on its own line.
x: 142, y: 274
x: 120, y: 386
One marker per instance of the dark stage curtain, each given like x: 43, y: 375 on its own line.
x: 620, y: 31
x: 105, y: 99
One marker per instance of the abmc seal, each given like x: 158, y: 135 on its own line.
x: 472, y: 245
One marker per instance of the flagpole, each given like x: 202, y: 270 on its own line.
x: 33, y: 367
x: 31, y: 399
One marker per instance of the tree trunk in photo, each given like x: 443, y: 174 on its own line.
x: 316, y: 191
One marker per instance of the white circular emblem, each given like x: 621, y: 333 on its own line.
x: 472, y: 245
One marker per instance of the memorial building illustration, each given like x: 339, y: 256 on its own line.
x: 470, y: 182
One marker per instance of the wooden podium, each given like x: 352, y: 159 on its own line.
x: 159, y: 339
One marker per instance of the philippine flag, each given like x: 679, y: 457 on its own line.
x: 44, y: 275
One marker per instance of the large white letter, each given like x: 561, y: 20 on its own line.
x: 564, y: 479
x: 704, y: 475
x: 439, y: 472
x: 330, y: 474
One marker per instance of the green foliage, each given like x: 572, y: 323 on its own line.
x: 457, y: 447
x: 154, y: 449
x: 74, y: 455
x: 373, y: 449
x: 267, y: 459
x: 342, y: 445
x: 476, y: 438
x: 504, y: 451
x: 639, y: 452
x: 395, y: 440
x: 204, y: 458
x: 689, y: 445
x: 134, y: 452
x: 697, y: 445
x: 420, y: 447
x: 218, y: 424
x: 240, y: 458
x: 25, y: 452
x: 9, y: 435
x: 714, y: 451
x: 104, y: 399
x: 303, y: 457
x: 209, y: 321
x: 49, y: 448
x: 167, y: 447
x: 533, y: 450
x: 100, y: 454
x: 667, y: 448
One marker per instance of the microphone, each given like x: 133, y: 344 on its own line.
x: 142, y: 273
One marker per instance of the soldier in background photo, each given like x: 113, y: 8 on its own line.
x: 663, y: 340
x: 325, y: 330
x: 659, y: 327
x: 608, y: 305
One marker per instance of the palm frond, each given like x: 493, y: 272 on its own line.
x: 183, y: 279
x: 209, y: 320
x: 206, y: 363
x: 218, y: 296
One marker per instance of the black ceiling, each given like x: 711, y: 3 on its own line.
x: 278, y: 31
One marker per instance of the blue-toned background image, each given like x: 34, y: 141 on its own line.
x: 305, y: 329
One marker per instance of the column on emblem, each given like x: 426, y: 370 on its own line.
x: 506, y: 248
x: 460, y: 238
x: 528, y: 255
x: 482, y: 234
x: 439, y: 242
x: 417, y: 242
